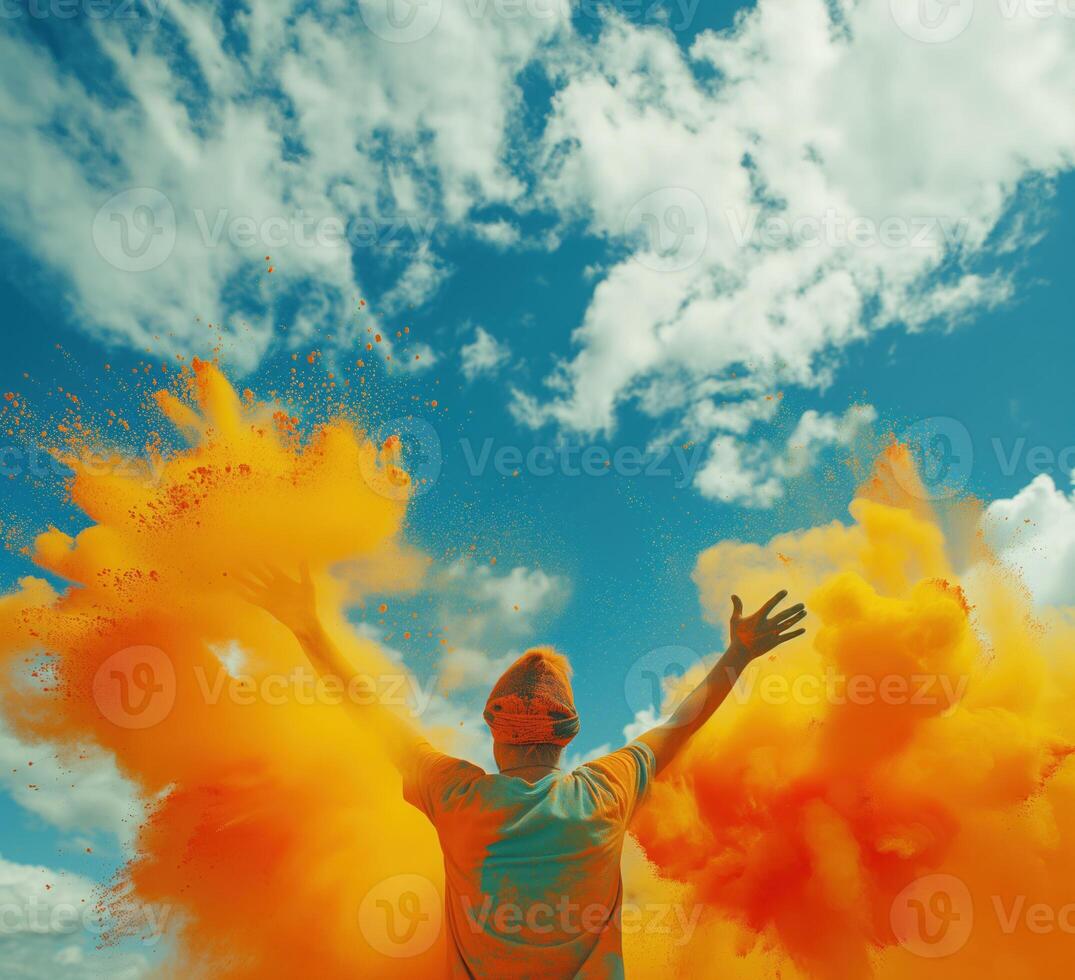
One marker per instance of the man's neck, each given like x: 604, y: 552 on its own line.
x: 530, y: 773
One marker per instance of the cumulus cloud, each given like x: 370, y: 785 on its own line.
x: 83, y: 792
x: 419, y: 282
x: 448, y: 704
x: 50, y: 928
x: 153, y: 191
x: 1034, y: 532
x: 769, y: 220
x: 466, y: 667
x: 483, y: 355
x: 766, y: 222
x: 490, y: 617
x: 517, y: 596
x: 502, y: 234
x: 755, y: 473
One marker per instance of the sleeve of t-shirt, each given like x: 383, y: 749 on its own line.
x: 626, y: 776
x: 431, y: 779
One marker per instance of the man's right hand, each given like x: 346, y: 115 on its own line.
x: 752, y: 636
x: 749, y: 638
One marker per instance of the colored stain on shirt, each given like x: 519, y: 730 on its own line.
x: 532, y: 870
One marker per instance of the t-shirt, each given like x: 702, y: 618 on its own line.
x: 532, y: 870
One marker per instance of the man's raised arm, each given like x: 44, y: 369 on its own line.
x: 293, y: 602
x: 749, y: 638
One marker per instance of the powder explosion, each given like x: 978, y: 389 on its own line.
x: 277, y: 815
x: 918, y: 734
x: 892, y: 799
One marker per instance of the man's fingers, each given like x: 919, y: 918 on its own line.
x: 737, y: 606
x: 269, y: 573
x: 244, y: 580
x: 784, y: 637
x: 254, y: 575
x: 248, y: 592
x: 781, y: 624
x: 791, y: 621
x: 785, y: 614
x: 773, y: 603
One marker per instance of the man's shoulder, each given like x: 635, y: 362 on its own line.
x: 634, y: 754
x: 622, y: 775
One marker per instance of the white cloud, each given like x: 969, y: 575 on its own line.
x: 517, y: 596
x: 502, y: 234
x: 79, y: 791
x: 643, y: 720
x: 483, y: 355
x: 50, y: 928
x: 418, y: 283
x: 321, y: 146
x: 773, y: 220
x: 765, y: 222
x: 490, y: 618
x: 1034, y: 532
x: 525, y: 590
x: 755, y: 474
x: 465, y: 667
x: 419, y: 357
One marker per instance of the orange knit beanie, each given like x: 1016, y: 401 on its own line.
x: 532, y: 702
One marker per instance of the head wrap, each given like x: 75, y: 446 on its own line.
x: 532, y: 702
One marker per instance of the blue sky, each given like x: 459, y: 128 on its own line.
x: 501, y: 179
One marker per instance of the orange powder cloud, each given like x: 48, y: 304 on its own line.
x: 802, y: 833
x: 276, y: 815
x: 892, y: 798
